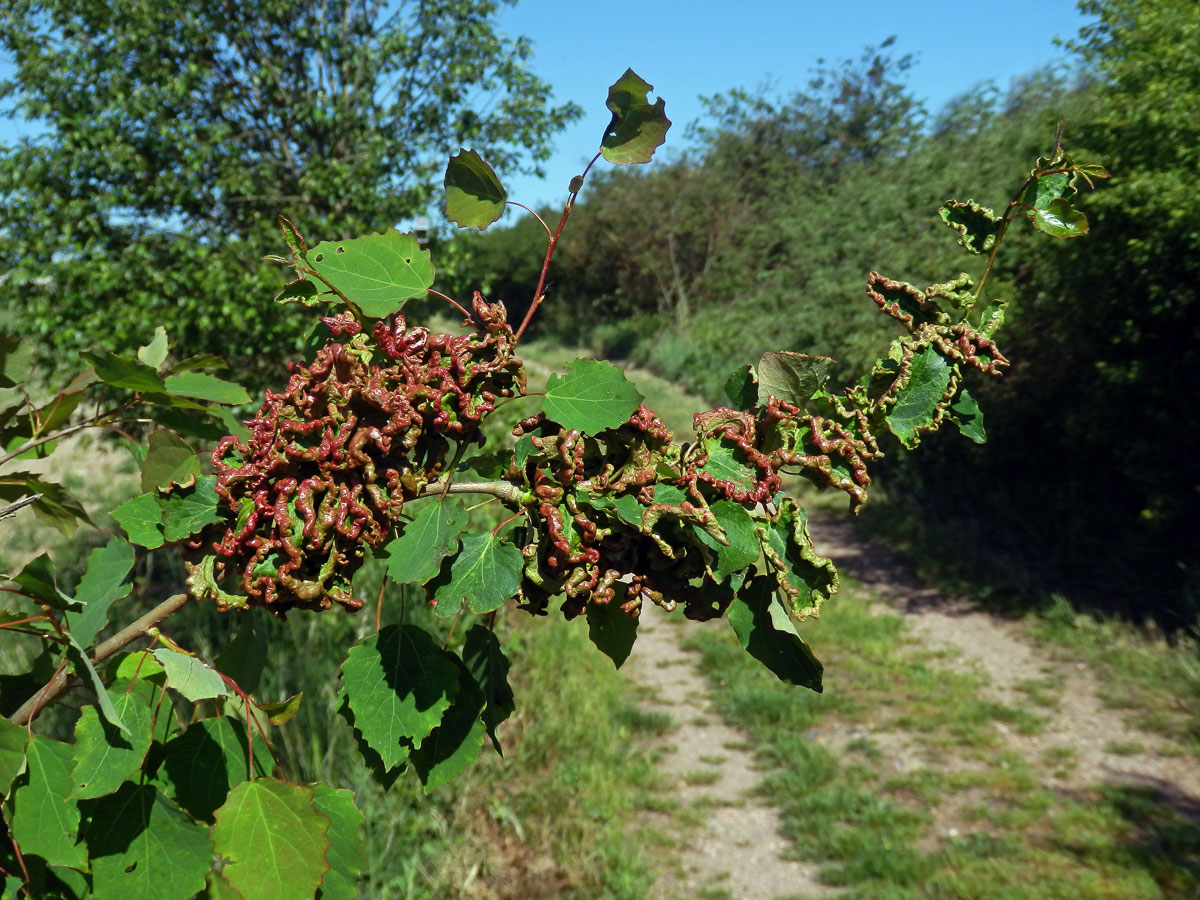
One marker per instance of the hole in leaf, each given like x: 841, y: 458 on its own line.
x: 130, y: 868
x: 319, y: 257
x: 340, y: 250
x: 408, y: 260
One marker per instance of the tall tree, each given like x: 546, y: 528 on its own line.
x: 176, y: 133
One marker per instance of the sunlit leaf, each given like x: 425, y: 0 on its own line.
x: 398, y: 683
x: 592, y: 396
x: 638, y: 127
x: 282, y: 712
x: 187, y: 511
x: 456, y: 742
x: 189, y: 675
x: 378, y: 273
x: 474, y: 196
x: 202, y: 764
x: 141, y: 518
x: 154, y: 354
x: 917, y: 403
x: 976, y: 225
x: 416, y: 555
x: 104, y: 756
x: 102, y: 583
x: 124, y: 373
x: 203, y: 386
x: 169, y: 461
x: 273, y: 840
x: 44, y: 822
x: 487, y: 572
x: 345, y: 856
x: 13, y: 739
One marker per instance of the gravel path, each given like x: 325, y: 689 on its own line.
x: 734, y: 849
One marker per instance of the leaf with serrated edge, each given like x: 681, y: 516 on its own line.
x: 637, y: 127
x: 398, y: 684
x: 144, y: 847
x: 273, y: 840
x: 966, y: 414
x: 124, y: 373
x: 612, y: 630
x: 102, y: 583
x: 1059, y: 219
x: 281, y: 712
x: 416, y: 555
x: 13, y: 739
x: 38, y: 579
x: 488, y: 665
x: 474, y: 196
x: 189, y: 676
x: 916, y: 405
x: 456, y: 742
x: 771, y: 639
x: 202, y: 386
x: 378, y: 273
x: 487, y: 572
x: 155, y: 352
x: 345, y: 856
x: 741, y: 387
x: 170, y: 460
x: 105, y: 757
x: 793, y: 377
x: 592, y: 396
x: 142, y: 520
x: 742, y: 548
x: 186, y: 512
x: 44, y: 823
x: 202, y: 764
x: 977, y: 226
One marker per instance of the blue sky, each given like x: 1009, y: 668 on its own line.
x: 704, y: 47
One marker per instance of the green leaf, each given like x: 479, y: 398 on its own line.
x: 488, y: 665
x: 593, y: 396
x: 301, y: 291
x: 102, y: 583
x: 189, y: 676
x: 54, y: 414
x: 612, y: 630
x: 917, y: 403
x: 141, y: 518
x: 170, y: 460
x: 638, y: 127
x: 124, y: 373
x: 474, y: 196
x: 741, y: 387
x: 416, y: 555
x: 1059, y: 219
x: 202, y: 386
x: 728, y: 462
x: 273, y: 840
x: 378, y: 273
x: 398, y: 683
x: 742, y: 549
x: 487, y: 572
x: 977, y: 226
x: 281, y: 712
x: 456, y: 742
x: 44, y: 822
x: 345, y: 856
x: 83, y: 668
x: 154, y: 354
x: 244, y: 658
x: 38, y: 579
x: 104, y: 756
x: 144, y: 847
x: 12, y: 753
x: 186, y: 512
x: 793, y: 377
x: 16, y: 360
x: 201, y: 765
x: 767, y: 634
x: 56, y: 507
x: 966, y: 414
x: 199, y: 361
x: 804, y: 578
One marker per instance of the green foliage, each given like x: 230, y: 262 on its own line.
x: 331, y: 115
x: 604, y: 512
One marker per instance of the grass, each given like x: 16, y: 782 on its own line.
x: 930, y: 802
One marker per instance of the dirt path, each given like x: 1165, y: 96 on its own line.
x: 733, y: 849
x: 735, y: 844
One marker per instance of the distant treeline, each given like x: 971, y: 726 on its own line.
x: 762, y: 235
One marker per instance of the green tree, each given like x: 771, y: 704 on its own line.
x: 177, y: 133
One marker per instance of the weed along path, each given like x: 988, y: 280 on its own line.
x: 729, y: 846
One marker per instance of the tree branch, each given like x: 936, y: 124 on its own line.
x: 127, y: 635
